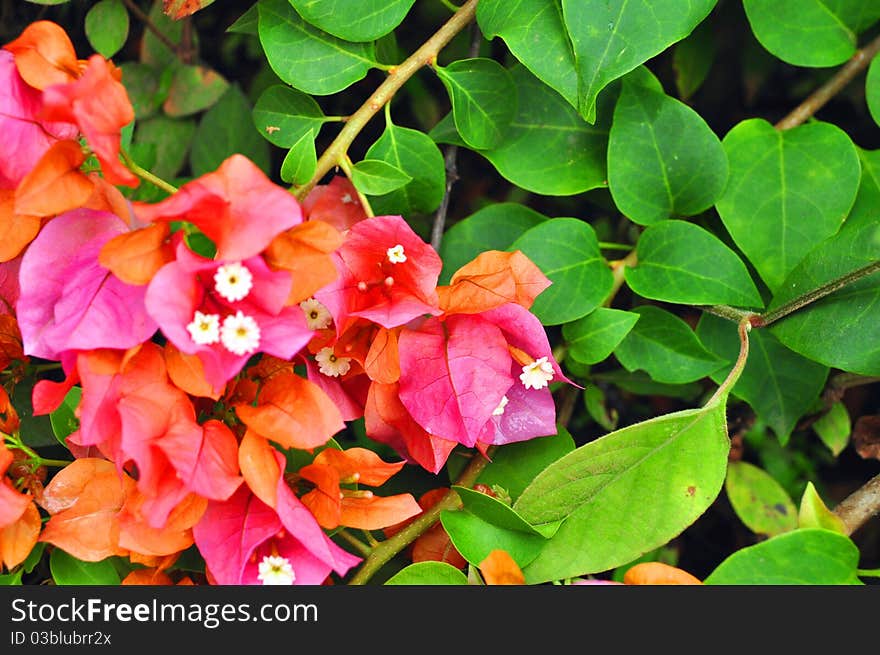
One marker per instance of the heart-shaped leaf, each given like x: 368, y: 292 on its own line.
x: 282, y: 115
x: 354, y: 20
x: 592, y: 338
x: 428, y: 573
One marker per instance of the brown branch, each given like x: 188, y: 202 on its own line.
x: 150, y: 25
x: 856, y: 509
x: 816, y: 100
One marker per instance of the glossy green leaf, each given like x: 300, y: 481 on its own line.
x: 11, y: 579
x: 663, y: 160
x: 535, y: 33
x: 612, y: 38
x: 872, y: 89
x: 307, y: 58
x: 681, y: 262
x: 692, y: 58
x: 798, y: 185
x: 375, y: 177
x: 483, y: 98
x: 106, y: 27
x: 68, y: 570
x: 493, y: 227
x: 808, y: 556
x: 225, y: 129
x: 817, y: 331
x: 301, y: 160
x: 64, y: 420
x: 548, y: 148
x: 592, y: 338
x: 474, y: 538
x: 567, y: 251
x: 780, y: 385
x: 428, y: 573
x: 282, y: 115
x: 813, y: 513
x: 247, y: 23
x: 760, y: 502
x: 354, y: 20
x: 142, y: 86
x: 515, y: 465
x: 414, y: 153
x: 665, y: 347
x: 172, y: 138
x: 641, y: 384
x: 193, y: 89
x: 35, y: 430
x: 815, y: 33
x: 834, y: 428
x: 627, y: 492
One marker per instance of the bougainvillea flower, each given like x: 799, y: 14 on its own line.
x: 135, y: 257
x: 99, y: 105
x: 26, y: 135
x: 336, y: 203
x: 44, y: 55
x: 245, y: 541
x: 492, y: 279
x: 68, y: 300
x: 348, y: 393
x: 146, y: 542
x: 18, y: 538
x: 499, y: 568
x: 658, y: 573
x: 387, y: 274
x: 9, y: 287
x: 237, y: 206
x: 224, y: 311
x: 387, y: 421
x: 12, y: 502
x: 334, y: 505
x: 55, y: 184
x: 10, y: 345
x: 305, y: 250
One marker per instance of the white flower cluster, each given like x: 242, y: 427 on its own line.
x: 239, y: 333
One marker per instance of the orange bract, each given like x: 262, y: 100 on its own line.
x: 499, y: 568
x: 44, y: 55
x: 658, y: 573
x: 16, y: 230
x: 304, y: 250
x: 259, y: 467
x: 134, y: 257
x: 18, y: 539
x: 187, y: 373
x: 56, y: 184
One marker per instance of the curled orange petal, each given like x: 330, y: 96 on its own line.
x: 658, y: 573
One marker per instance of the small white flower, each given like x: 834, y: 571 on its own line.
x: 498, y: 411
x: 240, y: 334
x: 233, y: 281
x: 396, y: 254
x: 204, y: 328
x: 275, y: 570
x: 537, y: 374
x: 330, y: 364
x: 317, y: 316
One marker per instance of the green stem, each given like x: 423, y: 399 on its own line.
x: 618, y: 269
x: 868, y: 573
x: 361, y: 547
x: 610, y: 245
x: 397, y: 75
x: 145, y: 174
x: 58, y: 463
x: 451, y: 7
x: 730, y: 313
x: 382, y: 553
x: 745, y: 327
x: 816, y: 294
x: 345, y: 164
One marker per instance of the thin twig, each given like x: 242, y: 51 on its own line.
x: 856, y: 509
x: 150, y: 25
x: 397, y: 76
x: 816, y: 100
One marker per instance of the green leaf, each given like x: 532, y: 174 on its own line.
x: 663, y: 160
x: 34, y: 557
x: 627, y: 492
x: 534, y: 32
x: 641, y: 384
x: 594, y: 402
x: 808, y: 556
x: 247, y: 23
x: 548, y: 148
x: 484, y: 525
x: 818, y: 331
x: 153, y: 50
x: 680, y: 262
x: 692, y: 58
x: 307, y: 58
x: 375, y: 177
x: 813, y: 513
x: 872, y: 89
x: 592, y: 338
x: 64, y: 420
x: 780, y: 385
x: 226, y: 129
x: 67, y: 570
x: 171, y: 137
x: 414, y: 153
x: 106, y: 27
x: 798, y: 185
x: 282, y: 115
x: 354, y: 20
x: 428, y: 573
x: 11, y: 579
x: 665, y: 347
x: 35, y: 431
x: 193, y: 89
x: 142, y: 85
x: 816, y: 33
x: 493, y: 227
x: 301, y: 161
x: 483, y: 97
x: 612, y: 38
x: 567, y: 251
x: 834, y: 428
x: 760, y: 502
